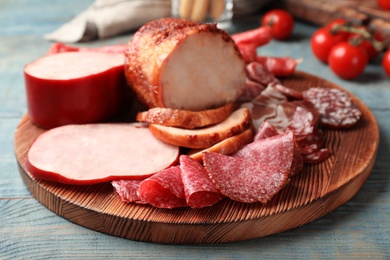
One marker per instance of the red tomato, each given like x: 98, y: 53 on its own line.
x: 281, y: 22
x: 367, y: 45
x: 322, y: 42
x: 386, y: 62
x: 385, y: 4
x: 347, y: 61
x: 339, y: 21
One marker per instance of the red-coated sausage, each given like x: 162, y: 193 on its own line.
x: 75, y: 88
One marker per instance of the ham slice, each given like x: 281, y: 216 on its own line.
x: 184, y: 118
x: 236, y: 123
x: 181, y: 64
x: 94, y: 153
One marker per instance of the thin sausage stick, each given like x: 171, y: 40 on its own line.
x: 199, y: 10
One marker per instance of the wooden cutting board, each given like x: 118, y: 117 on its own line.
x: 321, y: 12
x: 319, y: 189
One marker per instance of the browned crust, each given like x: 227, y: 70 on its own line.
x: 204, y: 137
x: 227, y: 146
x: 185, y: 118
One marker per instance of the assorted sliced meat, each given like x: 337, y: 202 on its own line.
x: 242, y: 134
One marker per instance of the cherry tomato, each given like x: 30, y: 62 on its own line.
x: 386, y: 62
x: 385, y: 4
x: 281, y: 22
x: 347, y: 61
x: 366, y: 44
x: 322, y: 42
x: 340, y: 22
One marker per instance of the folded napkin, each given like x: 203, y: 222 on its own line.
x: 106, y: 18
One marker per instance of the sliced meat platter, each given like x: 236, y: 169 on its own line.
x: 216, y: 122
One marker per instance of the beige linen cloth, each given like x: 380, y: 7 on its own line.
x: 106, y: 18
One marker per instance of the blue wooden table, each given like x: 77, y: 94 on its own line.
x: 360, y: 228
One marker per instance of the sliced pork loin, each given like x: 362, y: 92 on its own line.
x: 185, y: 118
x: 236, y: 123
x: 94, y: 153
x: 181, y: 64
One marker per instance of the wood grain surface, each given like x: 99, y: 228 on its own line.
x: 321, y: 12
x: 319, y: 189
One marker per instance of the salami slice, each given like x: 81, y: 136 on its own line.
x: 164, y: 189
x: 127, y: 190
x: 312, y: 142
x: 289, y: 92
x: 257, y: 72
x: 265, y: 130
x: 335, y: 107
x: 278, y: 151
x: 317, y: 156
x: 245, y: 180
x: 199, y: 190
x: 251, y: 91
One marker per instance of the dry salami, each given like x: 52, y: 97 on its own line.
x: 164, y: 189
x: 265, y: 130
x: 199, y: 190
x: 245, y: 180
x: 127, y: 190
x: 317, y: 156
x: 335, y: 107
x: 252, y: 90
x: 289, y: 92
x: 279, y: 66
x: 279, y: 151
x: 257, y: 72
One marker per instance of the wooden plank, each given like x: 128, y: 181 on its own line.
x: 321, y: 12
x: 319, y: 189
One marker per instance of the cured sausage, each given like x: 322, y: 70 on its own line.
x: 164, y: 189
x: 265, y: 130
x: 95, y: 153
x: 75, y: 88
x: 335, y: 107
x: 279, y: 66
x: 280, y: 150
x: 228, y: 146
x: 181, y: 64
x: 259, y: 73
x: 245, y: 180
x: 127, y: 190
x: 199, y: 190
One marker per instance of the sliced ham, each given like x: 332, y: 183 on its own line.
x: 236, y: 123
x: 94, y: 153
x: 75, y: 88
x: 181, y: 64
x: 164, y: 189
x: 185, y: 118
x: 199, y: 190
x: 245, y: 180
